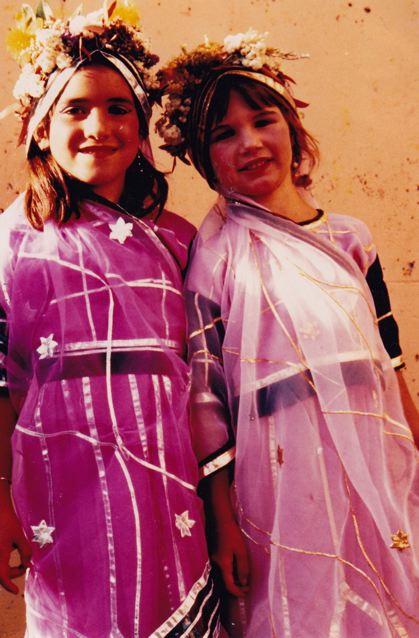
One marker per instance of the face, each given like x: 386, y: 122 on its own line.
x: 94, y: 130
x: 251, y: 153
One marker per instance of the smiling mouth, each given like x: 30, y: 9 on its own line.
x: 97, y: 150
x: 255, y: 164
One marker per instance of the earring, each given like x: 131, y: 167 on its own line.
x: 140, y: 163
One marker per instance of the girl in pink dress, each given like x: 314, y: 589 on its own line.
x: 105, y: 513
x: 293, y: 388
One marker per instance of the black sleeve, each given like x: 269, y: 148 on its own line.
x: 387, y: 325
x: 3, y: 353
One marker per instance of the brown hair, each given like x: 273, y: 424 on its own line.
x: 258, y: 95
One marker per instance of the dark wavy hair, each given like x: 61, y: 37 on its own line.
x: 257, y: 96
x: 52, y: 194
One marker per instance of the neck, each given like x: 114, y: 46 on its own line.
x: 287, y: 202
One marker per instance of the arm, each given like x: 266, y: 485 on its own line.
x: 230, y: 553
x: 11, y: 533
x: 410, y: 410
x: 390, y: 336
x: 211, y: 421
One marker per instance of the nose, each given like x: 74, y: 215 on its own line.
x: 96, y: 125
x: 249, y: 138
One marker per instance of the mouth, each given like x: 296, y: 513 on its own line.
x: 255, y: 164
x: 97, y: 151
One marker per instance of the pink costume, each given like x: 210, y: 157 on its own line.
x: 104, y: 475
x: 290, y: 377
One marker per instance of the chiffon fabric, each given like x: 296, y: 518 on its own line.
x: 291, y: 378
x: 104, y: 476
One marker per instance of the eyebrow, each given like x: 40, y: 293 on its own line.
x: 268, y: 110
x: 111, y: 100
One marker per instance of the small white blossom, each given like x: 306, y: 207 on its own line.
x: 77, y: 24
x: 28, y: 83
x: 253, y: 63
x: 63, y: 60
x: 80, y: 24
x: 47, y: 37
x: 46, y: 61
x: 233, y: 42
x: 239, y: 41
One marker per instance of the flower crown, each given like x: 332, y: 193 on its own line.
x: 43, y: 44
x: 181, y: 79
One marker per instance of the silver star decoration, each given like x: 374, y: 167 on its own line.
x: 42, y: 533
x: 184, y: 523
x: 47, y: 347
x: 121, y: 230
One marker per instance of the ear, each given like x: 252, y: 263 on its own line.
x: 41, y: 137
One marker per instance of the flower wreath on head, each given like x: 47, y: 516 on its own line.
x: 44, y: 45
x: 183, y: 76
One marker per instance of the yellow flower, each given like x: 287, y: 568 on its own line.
x: 127, y: 11
x: 17, y: 41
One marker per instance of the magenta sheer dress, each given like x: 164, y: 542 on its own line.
x: 291, y: 379
x: 104, y: 476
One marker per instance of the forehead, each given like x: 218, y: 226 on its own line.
x: 96, y: 82
x: 239, y: 104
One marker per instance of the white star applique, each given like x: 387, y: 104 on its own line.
x: 47, y: 347
x: 184, y: 523
x: 310, y: 331
x: 121, y: 230
x: 42, y: 534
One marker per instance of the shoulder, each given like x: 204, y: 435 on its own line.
x: 176, y: 233
x: 349, y: 223
x: 183, y: 229
x: 14, y: 215
x: 352, y: 235
x: 13, y: 226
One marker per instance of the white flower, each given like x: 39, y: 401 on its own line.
x: 253, y: 63
x: 63, y: 60
x: 121, y: 230
x: 42, y: 534
x: 28, y: 83
x: 240, y: 41
x: 76, y: 24
x: 46, y: 61
x: 47, y: 347
x: 80, y: 24
x: 43, y: 36
x: 184, y: 523
x: 233, y: 42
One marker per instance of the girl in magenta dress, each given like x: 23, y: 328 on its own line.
x: 94, y: 383
x: 293, y: 389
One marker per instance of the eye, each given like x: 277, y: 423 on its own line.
x: 264, y: 121
x: 119, y: 109
x: 73, y: 110
x: 221, y: 134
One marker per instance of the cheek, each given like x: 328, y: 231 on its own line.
x: 220, y: 159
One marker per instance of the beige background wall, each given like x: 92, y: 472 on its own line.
x: 359, y: 81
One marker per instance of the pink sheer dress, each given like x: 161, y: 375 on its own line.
x: 104, y: 476
x: 291, y: 379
